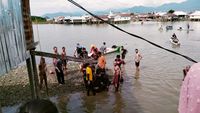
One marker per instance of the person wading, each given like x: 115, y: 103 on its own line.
x: 89, y: 79
x: 137, y: 59
x: 117, y: 77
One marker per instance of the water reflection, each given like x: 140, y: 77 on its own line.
x: 118, y: 104
x: 137, y: 74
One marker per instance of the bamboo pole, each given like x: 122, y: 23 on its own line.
x: 69, y: 58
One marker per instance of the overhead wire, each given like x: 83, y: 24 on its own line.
x: 134, y: 35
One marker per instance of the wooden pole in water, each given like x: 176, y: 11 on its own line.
x: 30, y: 45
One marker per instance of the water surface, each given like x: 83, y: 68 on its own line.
x: 157, y: 89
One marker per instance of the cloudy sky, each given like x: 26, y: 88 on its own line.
x: 41, y: 7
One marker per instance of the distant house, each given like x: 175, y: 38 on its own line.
x: 104, y: 17
x: 119, y: 17
x: 78, y: 20
x: 195, y: 16
x: 180, y: 15
x: 123, y: 17
x: 59, y: 19
x: 169, y: 17
x: 67, y: 20
x: 146, y: 16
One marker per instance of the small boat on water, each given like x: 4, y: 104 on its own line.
x: 112, y: 49
x: 174, y: 41
x: 109, y: 50
x: 180, y: 29
x: 169, y: 27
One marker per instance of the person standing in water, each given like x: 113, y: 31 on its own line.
x: 137, y: 59
x: 103, y: 48
x: 90, y: 79
x: 117, y: 76
x: 124, y: 52
x: 78, y: 50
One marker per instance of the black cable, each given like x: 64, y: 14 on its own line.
x: 139, y: 37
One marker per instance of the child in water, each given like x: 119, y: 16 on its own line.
x: 117, y: 76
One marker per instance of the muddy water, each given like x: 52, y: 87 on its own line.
x: 160, y: 76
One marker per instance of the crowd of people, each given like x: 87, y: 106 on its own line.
x: 94, y: 74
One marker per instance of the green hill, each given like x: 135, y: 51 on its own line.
x: 37, y: 19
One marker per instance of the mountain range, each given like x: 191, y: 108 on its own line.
x: 188, y: 6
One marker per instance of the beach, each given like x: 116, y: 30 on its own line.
x: 15, y: 86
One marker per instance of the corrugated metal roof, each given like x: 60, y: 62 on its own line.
x: 12, y: 42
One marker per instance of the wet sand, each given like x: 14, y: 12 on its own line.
x: 15, y: 89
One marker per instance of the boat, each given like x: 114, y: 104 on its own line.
x: 169, y: 27
x: 110, y: 50
x: 174, y: 41
x: 180, y: 29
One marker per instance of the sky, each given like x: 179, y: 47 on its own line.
x: 41, y: 7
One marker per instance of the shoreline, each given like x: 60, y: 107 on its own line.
x: 50, y: 22
x: 15, y: 87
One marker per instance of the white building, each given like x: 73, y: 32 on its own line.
x: 59, y: 19
x: 78, y: 19
x: 195, y: 16
x: 124, y: 17
x: 160, y: 14
x: 180, y: 13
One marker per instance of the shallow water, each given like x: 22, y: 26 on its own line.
x: 157, y: 89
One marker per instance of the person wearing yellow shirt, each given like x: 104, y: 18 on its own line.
x: 89, y: 79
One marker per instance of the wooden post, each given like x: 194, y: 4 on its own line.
x: 30, y: 76
x: 30, y: 45
x: 36, y: 81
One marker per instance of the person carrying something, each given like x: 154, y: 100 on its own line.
x: 64, y: 60
x: 78, y: 50
x: 59, y: 72
x: 94, y: 52
x: 101, y: 63
x: 84, y: 53
x: 103, y: 48
x: 138, y: 57
x: 42, y: 73
x: 89, y: 79
x: 117, y: 76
